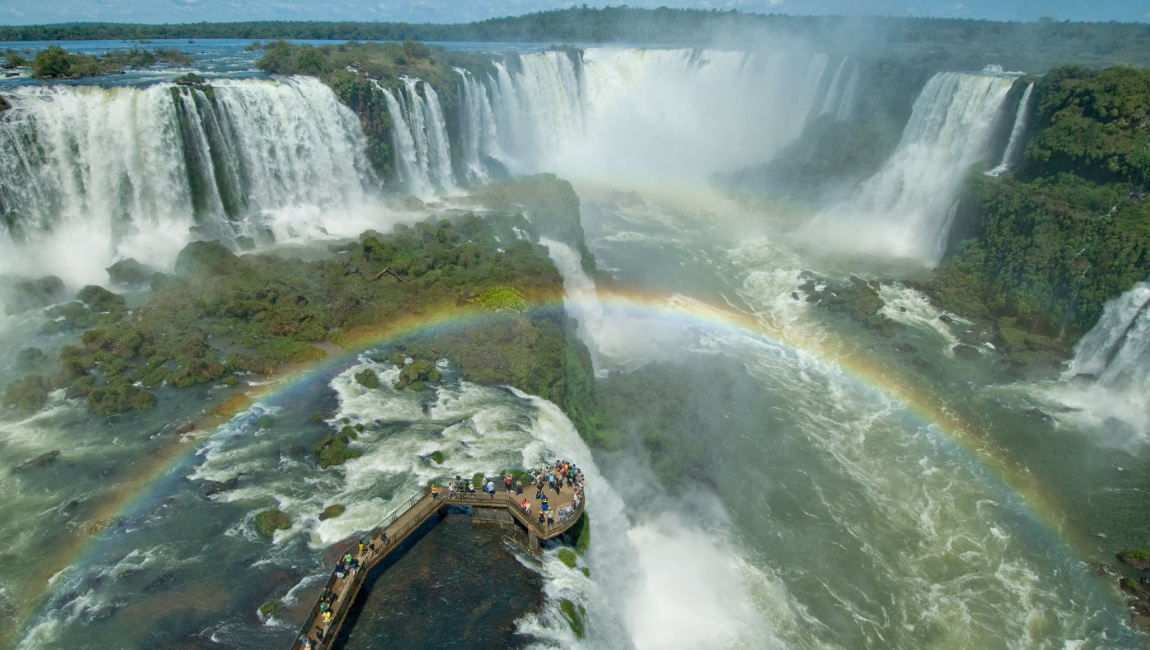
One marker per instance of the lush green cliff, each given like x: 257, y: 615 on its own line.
x: 1051, y: 241
x: 224, y: 318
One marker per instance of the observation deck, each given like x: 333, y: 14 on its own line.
x: 397, y: 527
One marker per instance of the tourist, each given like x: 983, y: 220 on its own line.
x: 490, y: 488
x: 450, y: 490
x: 550, y: 517
x: 434, y: 492
x: 523, y: 504
x: 507, y: 483
x: 541, y: 517
x: 518, y: 487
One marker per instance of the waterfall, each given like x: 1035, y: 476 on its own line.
x: 580, y: 298
x: 1115, y: 353
x: 91, y: 174
x: 653, y: 114
x: 479, y: 136
x: 1016, y: 133
x: 419, y: 134
x: 847, y: 103
x: 904, y: 210
x: 1117, y: 349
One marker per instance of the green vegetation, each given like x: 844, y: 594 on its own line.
x: 272, y: 608
x: 437, y: 456
x: 1139, y: 554
x: 367, y: 379
x: 1069, y: 229
x: 54, y: 62
x: 574, y: 615
x: 500, y: 299
x: 265, y: 310
x: 477, y: 480
x: 331, y: 512
x: 332, y: 449
x: 581, y: 533
x: 1015, y: 45
x: 26, y: 394
x: 13, y: 59
x: 567, y: 557
x: 265, y: 422
x: 269, y: 521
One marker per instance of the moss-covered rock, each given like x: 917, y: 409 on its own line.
x: 419, y: 371
x: 331, y: 512
x: 367, y: 378
x: 130, y: 273
x: 333, y: 449
x: 437, y: 456
x: 574, y: 615
x: 207, y: 258
x: 567, y: 557
x: 29, y: 358
x: 20, y: 295
x: 265, y: 422
x: 271, y: 608
x: 269, y: 521
x: 27, y: 393
x: 117, y: 396
x: 100, y: 300
x: 43, y: 460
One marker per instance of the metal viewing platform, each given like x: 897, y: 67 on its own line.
x: 397, y: 527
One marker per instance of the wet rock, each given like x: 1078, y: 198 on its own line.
x: 186, y: 428
x: 412, y: 203
x: 1084, y: 378
x: 20, y: 295
x: 919, y: 362
x: 965, y: 351
x: 40, y: 461
x: 1037, y: 414
x: 297, y: 450
x: 207, y: 258
x: 29, y: 358
x: 162, y: 582
x: 102, y: 614
x: 1137, y: 558
x: 795, y: 295
x: 100, y: 300
x: 946, y: 318
x: 215, y: 487
x: 244, y: 243
x: 130, y: 273
x: 905, y: 347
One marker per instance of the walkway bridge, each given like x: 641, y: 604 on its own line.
x: 397, y: 527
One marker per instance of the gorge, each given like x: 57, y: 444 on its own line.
x: 852, y: 350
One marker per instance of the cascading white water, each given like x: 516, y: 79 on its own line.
x: 1011, y: 154
x: 91, y: 174
x: 479, y: 136
x: 646, y: 114
x: 419, y: 135
x: 904, y: 210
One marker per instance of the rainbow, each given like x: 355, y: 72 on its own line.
x: 928, y: 408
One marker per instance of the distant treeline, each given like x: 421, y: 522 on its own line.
x: 1048, y: 42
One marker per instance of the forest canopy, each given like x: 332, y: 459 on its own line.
x: 1031, y: 46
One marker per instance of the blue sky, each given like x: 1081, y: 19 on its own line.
x: 23, y: 12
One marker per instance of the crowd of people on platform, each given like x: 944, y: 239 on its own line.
x: 556, y: 477
x: 560, y: 476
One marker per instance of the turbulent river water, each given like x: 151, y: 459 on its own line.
x: 850, y: 498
